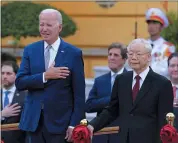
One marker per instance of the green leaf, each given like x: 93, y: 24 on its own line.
x: 171, y: 32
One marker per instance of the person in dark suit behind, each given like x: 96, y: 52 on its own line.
x: 173, y: 75
x: 140, y: 98
x: 100, y: 93
x: 52, y: 70
x: 12, y: 102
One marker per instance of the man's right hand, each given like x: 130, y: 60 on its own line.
x: 11, y: 110
x: 56, y: 72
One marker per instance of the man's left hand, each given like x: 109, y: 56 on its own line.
x: 69, y: 134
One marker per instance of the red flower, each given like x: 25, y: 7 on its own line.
x: 169, y: 134
x: 81, y: 134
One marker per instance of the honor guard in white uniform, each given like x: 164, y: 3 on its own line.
x: 157, y: 21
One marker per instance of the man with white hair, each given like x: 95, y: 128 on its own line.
x: 53, y: 73
x: 140, y: 99
x: 157, y: 21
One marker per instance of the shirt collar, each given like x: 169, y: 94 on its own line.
x: 55, y: 45
x: 142, y: 74
x: 119, y: 72
x: 156, y: 42
x: 176, y: 85
x: 12, y: 89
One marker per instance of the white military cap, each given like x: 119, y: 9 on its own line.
x: 156, y: 14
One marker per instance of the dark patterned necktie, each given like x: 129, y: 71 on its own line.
x: 136, y: 87
x: 174, y: 91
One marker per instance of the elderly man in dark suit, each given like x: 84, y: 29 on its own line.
x: 100, y: 93
x: 11, y: 102
x: 140, y: 98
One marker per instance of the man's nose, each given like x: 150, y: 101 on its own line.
x: 44, y: 28
x: 134, y: 57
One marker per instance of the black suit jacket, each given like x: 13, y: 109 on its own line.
x: 14, y: 136
x: 142, y: 120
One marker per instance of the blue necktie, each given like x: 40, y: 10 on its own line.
x: 113, y: 80
x: 6, y: 100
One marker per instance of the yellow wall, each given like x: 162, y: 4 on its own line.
x: 99, y: 27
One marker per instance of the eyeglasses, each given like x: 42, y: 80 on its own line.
x: 131, y: 54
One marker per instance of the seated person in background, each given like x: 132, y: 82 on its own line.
x: 173, y: 75
x: 100, y: 93
x: 12, y: 102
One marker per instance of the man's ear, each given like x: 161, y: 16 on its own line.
x: 60, y: 28
x: 149, y: 57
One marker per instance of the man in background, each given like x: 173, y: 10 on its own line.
x: 12, y: 102
x: 100, y: 94
x: 157, y: 21
x: 173, y: 75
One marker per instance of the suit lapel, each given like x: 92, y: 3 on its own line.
x: 108, y: 81
x: 128, y: 89
x: 60, y: 58
x: 144, y: 89
x: 41, y: 54
x: 1, y: 100
x: 16, y: 97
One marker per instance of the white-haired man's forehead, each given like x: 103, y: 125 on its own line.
x: 141, y: 42
x: 136, y: 45
x: 51, y: 13
x: 48, y: 13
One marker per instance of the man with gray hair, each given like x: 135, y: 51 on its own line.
x: 140, y: 98
x: 53, y: 73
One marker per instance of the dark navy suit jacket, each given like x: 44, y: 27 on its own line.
x: 100, y: 94
x: 63, y: 99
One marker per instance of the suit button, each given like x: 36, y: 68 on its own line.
x: 131, y: 114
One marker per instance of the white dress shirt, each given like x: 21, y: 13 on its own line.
x: 142, y: 76
x: 53, y: 52
x: 113, y: 73
x: 10, y: 95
